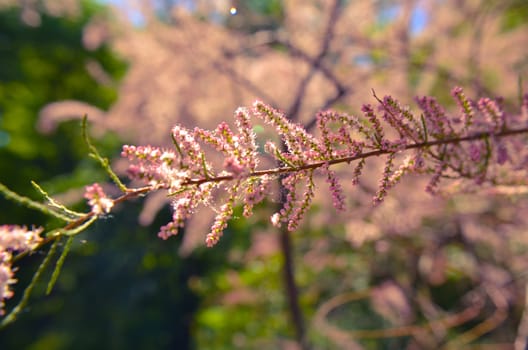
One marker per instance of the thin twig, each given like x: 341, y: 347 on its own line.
x: 71, y: 226
x: 11, y: 317
x: 29, y: 203
x: 95, y: 154
x: 316, y: 165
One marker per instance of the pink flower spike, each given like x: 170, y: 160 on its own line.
x: 338, y: 199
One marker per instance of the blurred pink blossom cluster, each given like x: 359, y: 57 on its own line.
x: 98, y: 200
x: 13, y: 238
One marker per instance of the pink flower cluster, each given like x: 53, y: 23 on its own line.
x: 471, y: 144
x: 13, y: 238
x: 98, y: 200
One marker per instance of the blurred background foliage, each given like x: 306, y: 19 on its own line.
x: 39, y: 65
x: 122, y: 288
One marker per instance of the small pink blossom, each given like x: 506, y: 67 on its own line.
x: 171, y: 229
x: 98, y: 200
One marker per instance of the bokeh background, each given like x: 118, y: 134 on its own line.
x: 415, y: 273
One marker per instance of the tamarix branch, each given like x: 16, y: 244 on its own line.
x: 481, y: 144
